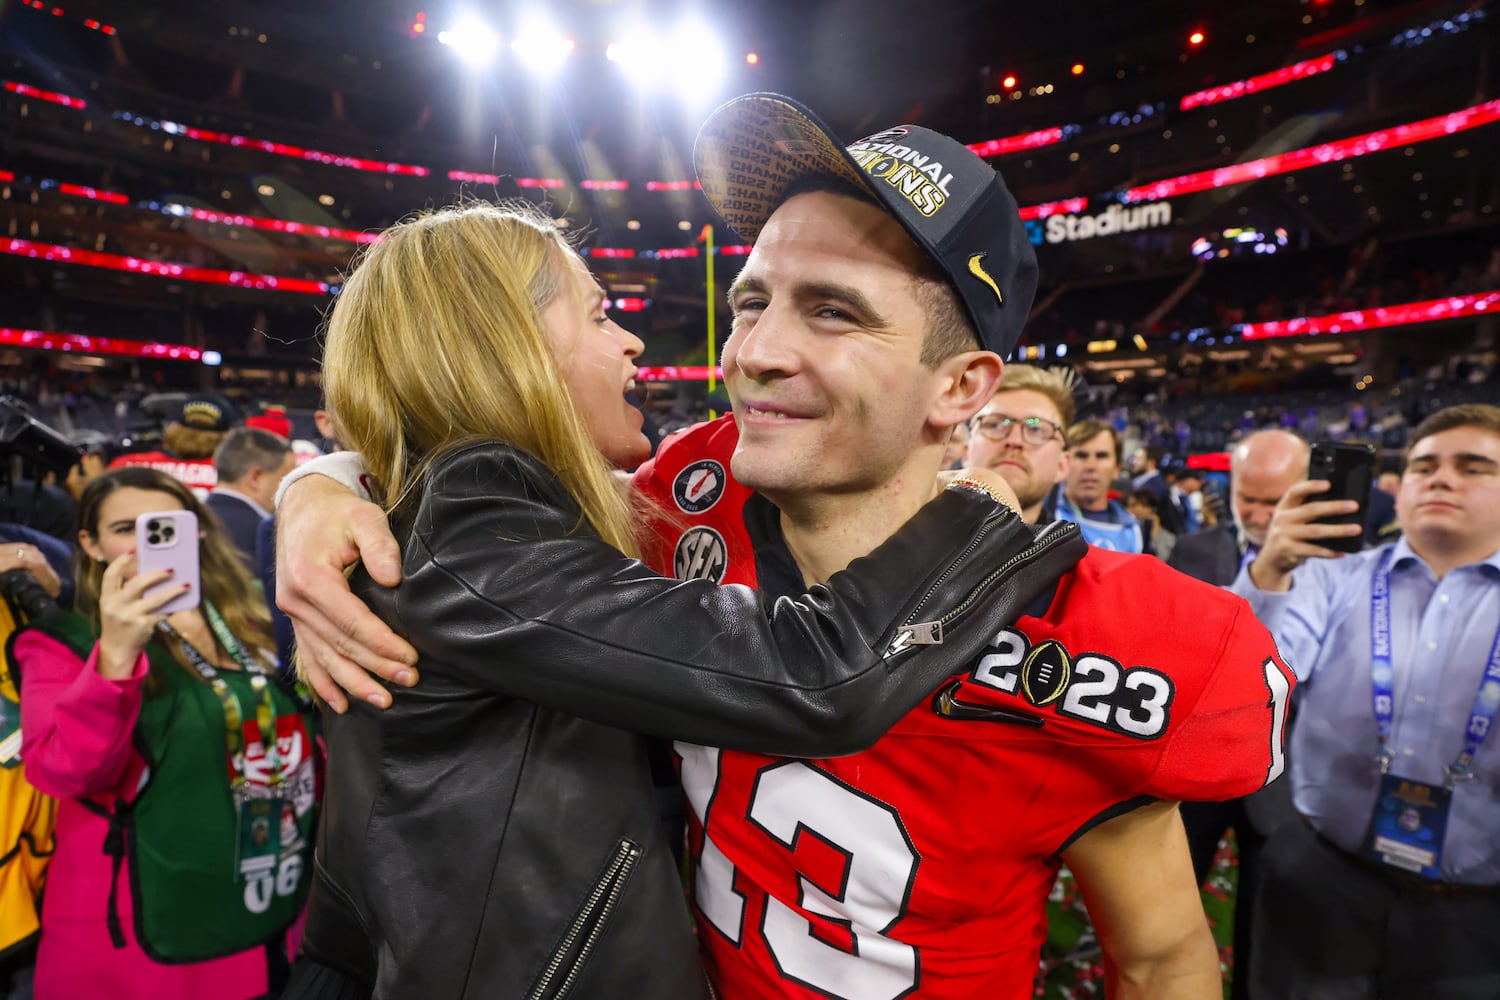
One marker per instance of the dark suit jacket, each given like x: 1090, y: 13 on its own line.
x: 240, y: 521
x: 1212, y: 556
x: 48, y: 509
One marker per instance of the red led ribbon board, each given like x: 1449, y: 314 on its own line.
x: 27, y: 90
x: 1255, y: 84
x: 1312, y: 156
x: 1017, y: 143
x: 163, y: 269
x: 300, y: 153
x: 93, y: 194
x: 676, y: 373
x: 47, y: 340
x: 281, y: 226
x: 1069, y: 206
x: 1453, y: 307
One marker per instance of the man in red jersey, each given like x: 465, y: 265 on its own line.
x: 883, y: 277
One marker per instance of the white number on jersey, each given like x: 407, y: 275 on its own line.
x: 791, y: 800
x: 1280, y: 688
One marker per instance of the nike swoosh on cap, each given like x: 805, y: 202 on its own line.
x: 976, y: 268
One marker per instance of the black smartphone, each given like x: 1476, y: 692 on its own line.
x: 1349, y: 469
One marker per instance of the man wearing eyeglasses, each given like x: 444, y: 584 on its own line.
x: 1021, y: 435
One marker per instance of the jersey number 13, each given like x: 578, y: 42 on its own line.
x: 790, y: 800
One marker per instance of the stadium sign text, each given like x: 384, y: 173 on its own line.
x: 1114, y: 219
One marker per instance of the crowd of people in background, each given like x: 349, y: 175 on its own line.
x: 1128, y: 492
x: 1365, y: 873
x: 1372, y: 870
x: 119, y: 745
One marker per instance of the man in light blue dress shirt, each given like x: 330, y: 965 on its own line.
x: 1391, y: 888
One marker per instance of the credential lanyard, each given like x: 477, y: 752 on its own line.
x: 1486, y: 700
x: 234, y: 730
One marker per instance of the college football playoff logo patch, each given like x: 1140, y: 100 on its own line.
x: 700, y: 555
x: 1045, y: 673
x: 699, y: 486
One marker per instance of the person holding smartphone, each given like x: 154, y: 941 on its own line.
x: 1391, y: 885
x: 1321, y: 517
x: 128, y: 706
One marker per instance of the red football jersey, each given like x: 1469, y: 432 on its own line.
x: 921, y: 867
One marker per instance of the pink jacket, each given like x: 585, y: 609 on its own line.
x: 76, y: 741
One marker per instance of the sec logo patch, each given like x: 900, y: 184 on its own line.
x: 1045, y: 673
x: 700, y: 555
x: 699, y: 486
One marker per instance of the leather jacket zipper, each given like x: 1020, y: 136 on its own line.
x: 588, y: 924
x: 914, y: 632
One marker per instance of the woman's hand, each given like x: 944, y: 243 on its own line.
x: 128, y: 615
x: 19, y: 555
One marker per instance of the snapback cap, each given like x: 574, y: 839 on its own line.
x: 204, y: 415
x: 953, y: 204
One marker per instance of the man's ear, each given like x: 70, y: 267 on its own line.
x: 969, y: 382
x: 1064, y: 464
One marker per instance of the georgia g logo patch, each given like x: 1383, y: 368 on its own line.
x: 700, y: 555
x: 699, y: 486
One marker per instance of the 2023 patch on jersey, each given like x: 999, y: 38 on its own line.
x: 921, y: 866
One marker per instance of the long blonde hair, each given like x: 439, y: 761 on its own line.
x: 436, y: 341
x: 224, y: 579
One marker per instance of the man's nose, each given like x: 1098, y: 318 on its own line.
x: 767, y: 347
x: 1445, y: 476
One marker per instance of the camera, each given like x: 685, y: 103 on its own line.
x: 24, y: 435
x: 24, y: 592
x: 160, y: 532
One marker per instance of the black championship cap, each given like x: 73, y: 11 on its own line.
x: 204, y: 415
x: 752, y: 150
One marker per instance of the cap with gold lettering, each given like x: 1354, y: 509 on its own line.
x: 204, y: 415
x: 953, y: 204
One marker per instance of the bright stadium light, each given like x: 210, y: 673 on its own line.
x: 542, y: 48
x: 641, y: 57
x: 690, y: 60
x: 472, y: 40
x: 700, y: 58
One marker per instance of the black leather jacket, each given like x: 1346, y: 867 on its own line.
x: 494, y: 834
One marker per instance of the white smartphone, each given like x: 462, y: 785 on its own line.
x: 169, y: 540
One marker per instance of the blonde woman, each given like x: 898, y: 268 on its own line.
x: 179, y: 866
x: 495, y: 833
